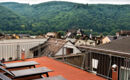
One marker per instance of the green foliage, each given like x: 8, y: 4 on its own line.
x: 62, y: 33
x: 9, y: 20
x: 61, y: 16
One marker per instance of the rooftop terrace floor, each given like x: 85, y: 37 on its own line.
x: 65, y: 70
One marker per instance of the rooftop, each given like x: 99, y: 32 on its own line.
x: 50, y: 47
x: 121, y: 45
x: 65, y: 70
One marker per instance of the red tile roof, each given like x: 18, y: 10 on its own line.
x: 67, y: 71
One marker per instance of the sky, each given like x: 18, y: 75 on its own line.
x: 76, y: 1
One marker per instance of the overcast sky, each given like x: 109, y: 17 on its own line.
x: 77, y: 1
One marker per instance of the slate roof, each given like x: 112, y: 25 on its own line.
x: 122, y: 45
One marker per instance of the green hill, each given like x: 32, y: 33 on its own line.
x: 10, y: 21
x: 57, y: 16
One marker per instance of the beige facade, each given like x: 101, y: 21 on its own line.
x: 106, y: 40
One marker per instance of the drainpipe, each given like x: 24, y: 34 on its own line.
x: 63, y: 54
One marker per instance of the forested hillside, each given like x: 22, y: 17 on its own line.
x: 10, y: 21
x: 58, y: 16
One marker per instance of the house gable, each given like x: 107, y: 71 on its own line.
x: 68, y: 45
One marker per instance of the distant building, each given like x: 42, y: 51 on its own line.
x: 107, y: 39
x: 54, y: 47
x: 123, y: 33
x: 85, y: 43
x: 122, y: 45
x: 72, y: 33
x: 73, y: 40
x: 51, y: 35
x: 40, y: 36
x: 79, y: 32
x: 33, y: 37
x: 2, y: 35
x: 23, y: 35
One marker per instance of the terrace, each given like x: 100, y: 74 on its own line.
x: 59, y: 68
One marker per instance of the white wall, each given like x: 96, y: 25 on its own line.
x: 9, y: 48
x: 80, y: 42
x: 85, y: 42
x: 68, y: 45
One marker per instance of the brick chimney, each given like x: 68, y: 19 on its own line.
x: 114, y: 72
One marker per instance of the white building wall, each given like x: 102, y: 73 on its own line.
x: 68, y: 45
x: 80, y: 42
x: 85, y: 42
x: 12, y: 48
x: 90, y: 43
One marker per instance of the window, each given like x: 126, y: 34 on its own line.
x: 94, y: 65
x: 69, y: 51
x: 35, y: 54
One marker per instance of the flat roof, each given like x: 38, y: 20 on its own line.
x: 65, y: 70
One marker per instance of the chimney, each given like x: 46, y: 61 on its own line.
x: 117, y: 34
x: 90, y: 36
x: 114, y: 72
x: 23, y: 54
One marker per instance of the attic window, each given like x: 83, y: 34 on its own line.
x: 69, y: 51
